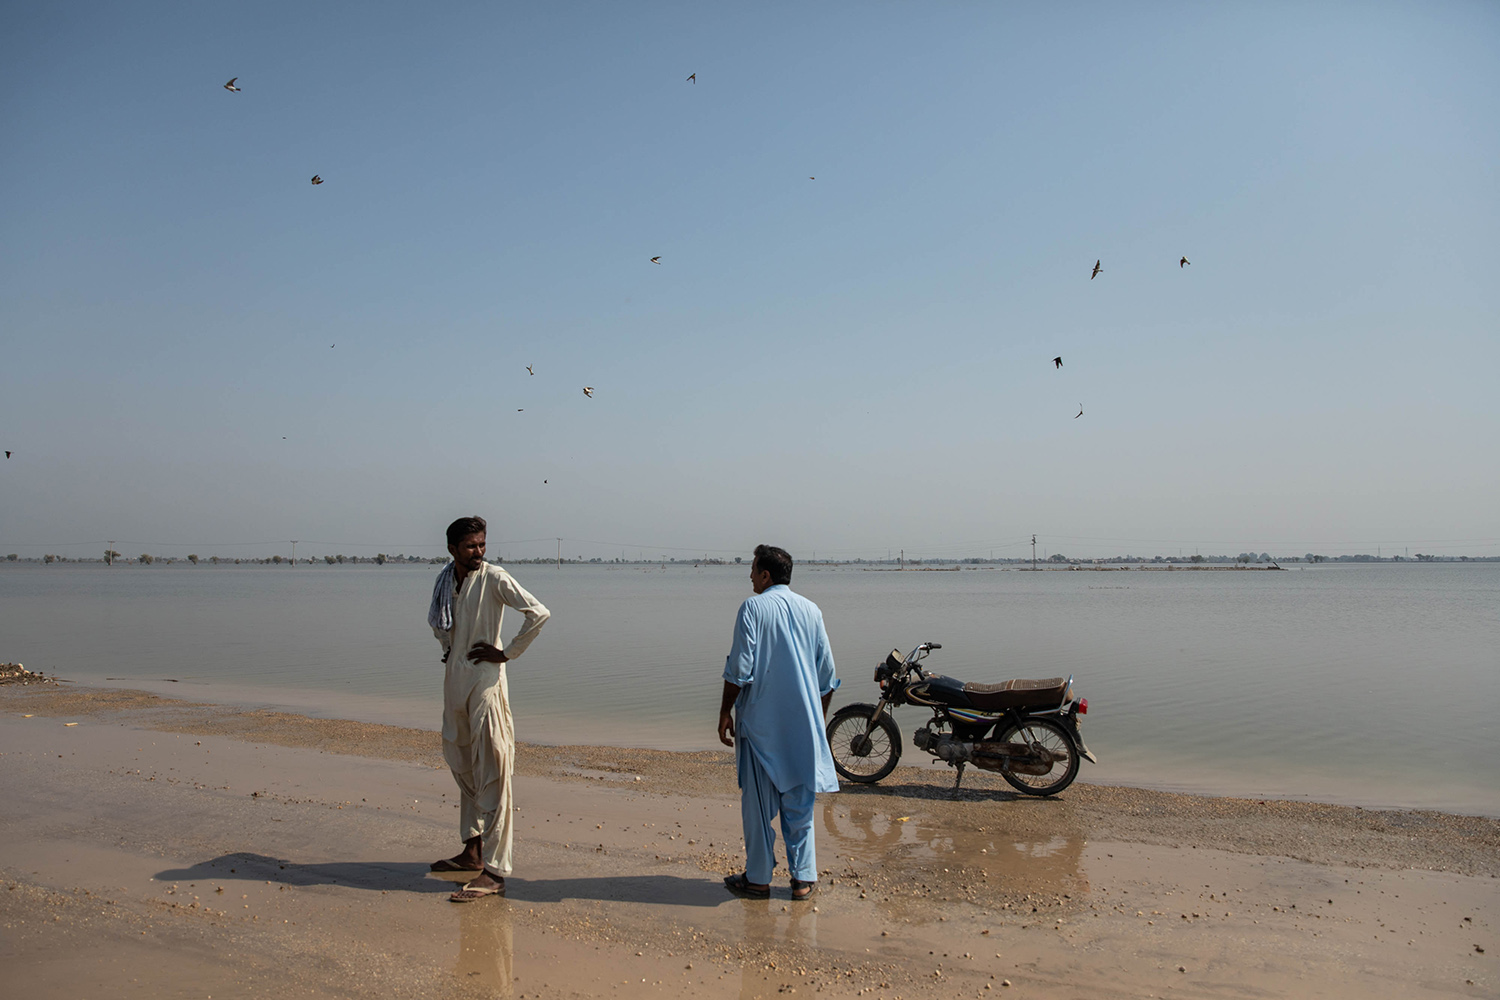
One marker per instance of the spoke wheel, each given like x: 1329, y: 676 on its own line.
x: 1055, y: 739
x: 863, y: 752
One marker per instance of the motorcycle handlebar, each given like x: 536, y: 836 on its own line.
x: 934, y: 645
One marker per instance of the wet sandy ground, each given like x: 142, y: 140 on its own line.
x: 161, y: 849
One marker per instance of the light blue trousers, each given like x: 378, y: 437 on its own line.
x: 760, y: 801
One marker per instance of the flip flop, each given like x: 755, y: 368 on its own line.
x: 740, y: 886
x: 448, y: 865
x: 468, y: 895
x: 797, y: 884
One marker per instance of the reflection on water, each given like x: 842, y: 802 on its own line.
x: 779, y: 922
x: 1009, y: 860
x: 862, y: 832
x: 775, y: 925
x: 486, y: 952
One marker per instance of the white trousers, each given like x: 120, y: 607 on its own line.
x: 482, y: 757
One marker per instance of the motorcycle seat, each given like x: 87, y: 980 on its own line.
x: 1016, y: 693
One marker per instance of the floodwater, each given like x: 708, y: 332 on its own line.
x: 1372, y: 684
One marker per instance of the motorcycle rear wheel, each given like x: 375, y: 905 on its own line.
x: 863, y: 752
x: 1055, y: 738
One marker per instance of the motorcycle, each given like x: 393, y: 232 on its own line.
x: 1033, y: 737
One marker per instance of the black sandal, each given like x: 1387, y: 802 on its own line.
x: 740, y: 886
x: 797, y: 884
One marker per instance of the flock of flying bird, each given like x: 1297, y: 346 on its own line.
x: 1098, y: 267
x: 588, y: 390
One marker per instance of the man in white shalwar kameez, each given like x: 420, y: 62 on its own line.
x: 479, y: 741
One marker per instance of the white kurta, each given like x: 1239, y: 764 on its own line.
x: 479, y: 740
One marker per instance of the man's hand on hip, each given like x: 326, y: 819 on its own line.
x: 483, y: 652
x: 726, y: 729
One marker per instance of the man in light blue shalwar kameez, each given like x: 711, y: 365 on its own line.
x: 778, y: 680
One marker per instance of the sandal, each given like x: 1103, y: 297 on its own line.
x: 740, y: 886
x: 798, y: 885
x: 471, y: 892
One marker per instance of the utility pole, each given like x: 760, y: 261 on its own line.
x: 903, y: 558
x: 559, y: 553
x: 1033, y: 553
x: 109, y: 554
x: 294, y: 551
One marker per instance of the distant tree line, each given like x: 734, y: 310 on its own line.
x: 1052, y: 559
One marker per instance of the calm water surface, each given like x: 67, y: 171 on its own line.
x: 1371, y: 684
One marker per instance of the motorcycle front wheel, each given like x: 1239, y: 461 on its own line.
x: 1056, y: 740
x: 861, y: 751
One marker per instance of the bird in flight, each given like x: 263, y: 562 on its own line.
x: 529, y: 371
x: 317, y: 178
x: 693, y: 79
x: 7, y: 454
x: 332, y: 346
x: 812, y: 178
x: 1184, y: 262
x: 1080, y: 411
x: 230, y: 86
x: 1057, y: 361
x: 1097, y: 269
x: 656, y: 260
x: 544, y: 482
x: 520, y: 409
x: 588, y: 391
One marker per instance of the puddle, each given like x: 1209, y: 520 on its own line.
x: 872, y: 835
x: 486, y: 949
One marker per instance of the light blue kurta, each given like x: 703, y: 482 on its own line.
x: 782, y: 663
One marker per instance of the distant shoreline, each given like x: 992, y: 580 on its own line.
x: 973, y: 562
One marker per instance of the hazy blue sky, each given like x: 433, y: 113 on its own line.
x: 847, y: 364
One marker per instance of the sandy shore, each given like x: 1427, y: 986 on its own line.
x: 162, y: 848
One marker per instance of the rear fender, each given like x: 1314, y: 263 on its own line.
x: 1078, y: 738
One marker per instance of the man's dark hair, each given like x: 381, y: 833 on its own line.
x: 777, y: 562
x: 464, y: 527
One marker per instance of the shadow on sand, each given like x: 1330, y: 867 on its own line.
x: 413, y: 876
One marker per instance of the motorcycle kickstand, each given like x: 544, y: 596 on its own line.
x: 960, y: 776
